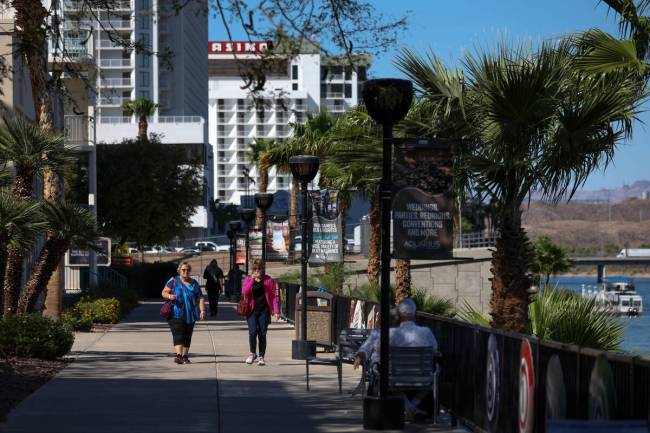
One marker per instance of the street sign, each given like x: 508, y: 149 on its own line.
x: 80, y: 257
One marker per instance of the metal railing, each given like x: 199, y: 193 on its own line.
x: 482, y: 369
x: 117, y: 82
x: 75, y: 129
x: 110, y: 44
x: 180, y: 119
x: 121, y: 24
x: 476, y: 240
x: 110, y: 277
x: 113, y: 100
x: 115, y: 119
x: 115, y: 63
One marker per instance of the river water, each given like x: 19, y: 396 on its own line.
x: 637, y: 329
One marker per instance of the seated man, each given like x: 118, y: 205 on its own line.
x: 407, y: 334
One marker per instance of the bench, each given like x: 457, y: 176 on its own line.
x: 349, y: 342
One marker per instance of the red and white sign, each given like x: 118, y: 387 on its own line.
x: 239, y: 47
x: 526, y: 388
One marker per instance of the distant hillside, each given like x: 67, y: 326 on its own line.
x: 591, y: 228
x: 615, y: 195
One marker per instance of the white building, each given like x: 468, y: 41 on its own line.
x: 177, y: 83
x: 297, y: 85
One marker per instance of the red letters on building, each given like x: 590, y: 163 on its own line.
x: 238, y: 47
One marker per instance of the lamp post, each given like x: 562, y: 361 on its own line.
x: 388, y: 101
x: 248, y: 215
x: 230, y: 235
x: 304, y: 168
x: 263, y: 200
x: 234, y: 228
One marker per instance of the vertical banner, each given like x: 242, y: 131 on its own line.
x: 277, y: 239
x: 326, y: 228
x: 255, y: 245
x: 240, y: 250
x: 423, y: 199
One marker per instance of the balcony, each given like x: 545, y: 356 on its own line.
x: 113, y: 101
x: 173, y: 129
x: 115, y: 63
x: 116, y: 82
x: 111, y: 45
x: 115, y: 119
x: 76, y: 130
x: 334, y: 95
x: 120, y: 24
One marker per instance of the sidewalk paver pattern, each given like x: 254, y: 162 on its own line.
x: 125, y: 380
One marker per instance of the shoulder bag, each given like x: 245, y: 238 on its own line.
x: 167, y: 309
x: 243, y: 307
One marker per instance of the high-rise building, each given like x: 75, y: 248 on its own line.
x: 294, y: 86
x: 165, y: 63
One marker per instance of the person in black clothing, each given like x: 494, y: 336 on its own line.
x: 233, y: 287
x: 213, y: 283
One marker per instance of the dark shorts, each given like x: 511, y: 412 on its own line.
x: 181, y: 332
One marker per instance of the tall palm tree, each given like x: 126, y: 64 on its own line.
x: 531, y: 121
x: 68, y: 224
x: 257, y: 155
x: 20, y: 222
x: 31, y: 150
x: 143, y: 108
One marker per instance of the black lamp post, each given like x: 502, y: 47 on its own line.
x: 304, y: 168
x: 388, y: 101
x: 263, y: 200
x: 248, y: 215
x: 234, y: 228
x: 230, y: 235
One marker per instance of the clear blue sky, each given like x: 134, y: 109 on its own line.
x: 451, y: 28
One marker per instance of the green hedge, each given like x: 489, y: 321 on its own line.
x: 33, y: 335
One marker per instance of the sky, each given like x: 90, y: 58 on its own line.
x: 449, y: 29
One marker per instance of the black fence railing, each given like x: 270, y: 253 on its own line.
x: 482, y: 372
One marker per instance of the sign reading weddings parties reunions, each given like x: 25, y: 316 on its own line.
x: 326, y: 238
x: 76, y: 256
x: 423, y: 199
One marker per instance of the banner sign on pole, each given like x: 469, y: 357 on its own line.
x: 240, y: 250
x: 76, y: 256
x: 423, y: 199
x: 255, y: 244
x: 277, y: 239
x: 326, y: 228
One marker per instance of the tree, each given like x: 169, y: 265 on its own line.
x: 531, y: 121
x: 548, y: 259
x: 149, y: 191
x: 143, y: 108
x: 32, y: 150
x: 20, y: 222
x: 257, y: 155
x: 67, y: 224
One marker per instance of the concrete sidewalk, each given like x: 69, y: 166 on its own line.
x: 125, y: 380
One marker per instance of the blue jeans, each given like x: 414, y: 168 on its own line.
x: 258, y: 323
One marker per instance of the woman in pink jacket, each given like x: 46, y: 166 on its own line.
x: 259, y: 289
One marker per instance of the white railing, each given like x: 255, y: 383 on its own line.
x: 115, y: 119
x: 76, y: 129
x: 111, y: 44
x: 335, y: 108
x: 117, y: 82
x: 113, y: 100
x: 180, y: 119
x: 115, y: 63
x: 476, y: 240
x: 334, y: 95
x: 121, y: 24
x: 300, y: 107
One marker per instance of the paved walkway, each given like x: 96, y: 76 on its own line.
x: 125, y: 380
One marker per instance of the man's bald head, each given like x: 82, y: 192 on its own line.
x: 406, y: 309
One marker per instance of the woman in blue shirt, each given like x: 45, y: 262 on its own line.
x: 186, y: 295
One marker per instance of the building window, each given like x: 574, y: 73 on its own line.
x: 144, y: 22
x: 323, y: 90
x: 144, y: 79
x: 294, y: 72
x: 361, y: 73
x: 348, y: 90
x: 144, y: 39
x: 144, y: 61
x: 294, y: 86
x: 144, y: 94
x: 145, y: 5
x: 348, y: 73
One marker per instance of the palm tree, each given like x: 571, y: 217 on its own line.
x: 68, y: 224
x: 531, y: 121
x: 310, y: 138
x: 143, y: 108
x: 257, y: 155
x: 548, y: 259
x: 32, y: 150
x: 20, y: 222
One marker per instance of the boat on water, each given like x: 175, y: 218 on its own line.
x: 617, y: 294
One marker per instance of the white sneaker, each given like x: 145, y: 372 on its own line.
x: 251, y: 358
x: 261, y: 361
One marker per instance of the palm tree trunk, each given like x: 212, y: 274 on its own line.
x: 13, y: 275
x: 46, y: 266
x: 53, y: 191
x: 262, y: 185
x: 374, y: 243
x: 142, y: 127
x: 293, y: 219
x: 402, y: 280
x: 510, y: 282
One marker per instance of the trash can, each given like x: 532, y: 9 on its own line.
x: 319, y: 317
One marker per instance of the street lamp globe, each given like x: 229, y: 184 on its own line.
x: 304, y: 167
x: 387, y: 99
x: 263, y: 200
x: 230, y: 234
x: 234, y: 225
x: 247, y: 215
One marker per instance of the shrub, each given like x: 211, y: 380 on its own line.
x: 72, y: 319
x: 33, y: 335
x: 128, y: 298
x: 469, y: 314
x: 103, y: 310
x: 430, y: 303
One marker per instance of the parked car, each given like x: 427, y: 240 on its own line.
x: 211, y: 246
x: 189, y: 251
x: 159, y: 249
